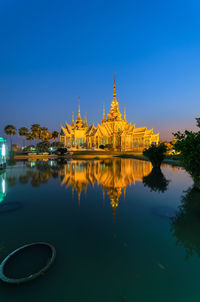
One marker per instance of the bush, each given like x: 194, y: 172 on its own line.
x: 101, y: 147
x: 156, y: 154
x: 188, y: 144
x: 61, y: 151
x: 43, y: 146
x: 57, y: 145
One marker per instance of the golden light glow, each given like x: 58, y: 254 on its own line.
x: 112, y: 175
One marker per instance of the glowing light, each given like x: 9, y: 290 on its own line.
x: 3, y: 151
x: 3, y: 186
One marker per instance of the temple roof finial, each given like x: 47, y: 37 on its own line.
x: 85, y: 120
x: 114, y: 90
x: 104, y: 115
x: 124, y: 113
x: 72, y: 118
x: 79, y: 111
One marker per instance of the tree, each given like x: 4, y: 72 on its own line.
x: 188, y: 144
x: 43, y: 146
x: 10, y: 130
x: 57, y: 145
x: 45, y: 134
x: 54, y: 135
x: 198, y: 121
x: 36, y: 131
x: 156, y: 154
x: 156, y: 181
x: 30, y: 136
x: 186, y: 224
x: 23, y: 131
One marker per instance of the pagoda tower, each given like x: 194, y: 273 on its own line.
x: 114, y: 113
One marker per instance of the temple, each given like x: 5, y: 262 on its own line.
x: 114, y: 133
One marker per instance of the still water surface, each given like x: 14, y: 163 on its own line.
x: 123, y: 232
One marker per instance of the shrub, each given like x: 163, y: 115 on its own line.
x: 188, y: 144
x: 156, y: 154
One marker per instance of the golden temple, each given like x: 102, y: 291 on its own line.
x: 113, y: 133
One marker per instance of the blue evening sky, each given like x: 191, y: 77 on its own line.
x: 53, y: 51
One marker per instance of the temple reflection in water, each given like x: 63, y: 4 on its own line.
x: 112, y: 175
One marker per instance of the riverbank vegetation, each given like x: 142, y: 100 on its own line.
x: 39, y: 139
x: 188, y: 145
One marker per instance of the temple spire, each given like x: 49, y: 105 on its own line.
x: 124, y: 113
x: 85, y: 120
x: 114, y: 90
x: 79, y: 111
x: 72, y: 118
x: 114, y: 113
x: 104, y: 115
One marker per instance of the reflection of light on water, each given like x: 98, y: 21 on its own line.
x: 3, y: 186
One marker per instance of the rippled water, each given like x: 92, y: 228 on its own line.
x: 123, y: 232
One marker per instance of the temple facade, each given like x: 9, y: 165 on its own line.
x: 114, y: 133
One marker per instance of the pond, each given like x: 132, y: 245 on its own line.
x: 122, y: 231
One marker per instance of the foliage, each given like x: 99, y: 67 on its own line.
x: 30, y: 136
x: 54, y: 135
x: 23, y: 132
x: 186, y: 225
x: 57, y: 145
x: 198, y: 121
x: 36, y: 131
x: 29, y: 148
x: 156, y: 154
x: 188, y: 144
x: 43, y: 146
x: 61, y: 151
x: 101, y: 147
x: 45, y: 135
x: 10, y: 130
x: 156, y: 181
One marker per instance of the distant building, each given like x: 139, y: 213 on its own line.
x: 114, y: 132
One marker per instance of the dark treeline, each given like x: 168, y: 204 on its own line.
x: 40, y: 136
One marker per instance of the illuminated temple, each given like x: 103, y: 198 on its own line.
x: 114, y: 132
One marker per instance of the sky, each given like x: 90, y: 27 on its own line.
x: 51, y: 52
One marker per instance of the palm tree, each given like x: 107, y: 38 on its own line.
x: 10, y: 130
x: 30, y: 137
x: 45, y: 134
x: 55, y: 135
x: 23, y: 131
x: 36, y: 131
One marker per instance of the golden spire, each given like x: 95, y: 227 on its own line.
x: 114, y: 90
x: 114, y: 113
x: 104, y: 115
x: 79, y: 111
x: 72, y: 118
x: 124, y: 113
x: 85, y: 120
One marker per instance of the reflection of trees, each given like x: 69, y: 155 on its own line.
x: 37, y: 174
x: 11, y: 181
x: 156, y: 181
x: 186, y: 225
x: 23, y: 179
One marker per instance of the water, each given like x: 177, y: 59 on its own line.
x: 122, y: 231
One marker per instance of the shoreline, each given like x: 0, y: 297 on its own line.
x: 89, y: 155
